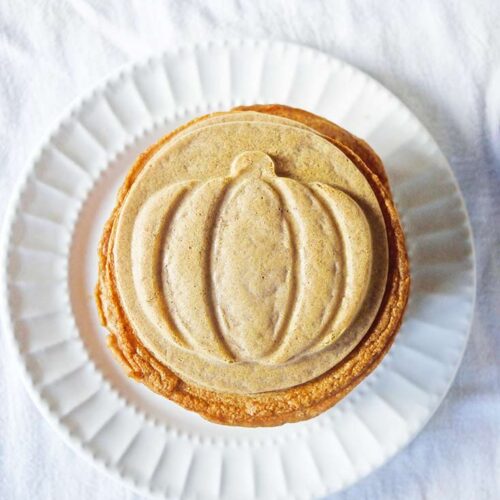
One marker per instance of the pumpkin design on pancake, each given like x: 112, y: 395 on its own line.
x: 253, y: 269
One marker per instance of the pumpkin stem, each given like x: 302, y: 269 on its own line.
x: 253, y: 164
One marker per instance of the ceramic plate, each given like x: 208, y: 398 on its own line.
x: 49, y: 271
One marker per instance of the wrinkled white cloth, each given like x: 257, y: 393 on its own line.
x: 442, y: 58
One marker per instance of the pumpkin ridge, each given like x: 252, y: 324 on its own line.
x: 209, y: 279
x: 334, y: 308
x: 237, y: 183
x: 165, y: 229
x: 292, y: 294
x: 318, y: 189
x: 223, y: 348
x: 154, y: 269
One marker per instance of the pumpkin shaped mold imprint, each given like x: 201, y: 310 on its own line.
x: 254, y: 267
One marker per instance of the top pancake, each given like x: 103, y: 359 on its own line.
x: 215, y: 332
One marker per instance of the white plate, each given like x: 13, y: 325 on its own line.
x: 49, y: 271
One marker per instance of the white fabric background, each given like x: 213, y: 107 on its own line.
x: 442, y: 58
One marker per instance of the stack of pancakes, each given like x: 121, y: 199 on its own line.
x: 254, y: 268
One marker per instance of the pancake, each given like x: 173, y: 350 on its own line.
x: 253, y: 269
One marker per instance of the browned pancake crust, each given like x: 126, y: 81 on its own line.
x: 296, y: 403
